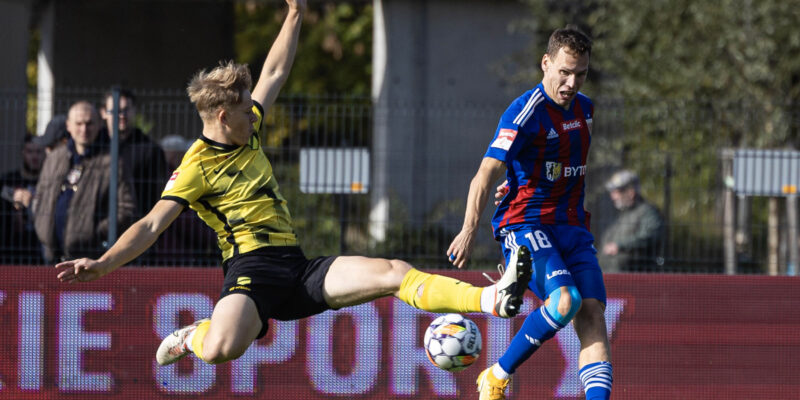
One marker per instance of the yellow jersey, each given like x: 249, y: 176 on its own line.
x: 233, y: 191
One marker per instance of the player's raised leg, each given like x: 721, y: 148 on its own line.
x: 355, y: 280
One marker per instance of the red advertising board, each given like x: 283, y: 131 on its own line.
x: 672, y: 336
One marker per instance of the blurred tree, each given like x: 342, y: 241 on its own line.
x: 722, y: 58
x: 335, y: 50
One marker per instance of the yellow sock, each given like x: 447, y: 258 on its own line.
x: 438, y: 293
x: 197, y: 339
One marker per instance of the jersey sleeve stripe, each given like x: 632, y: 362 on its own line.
x: 261, y: 112
x: 176, y: 199
x: 527, y: 111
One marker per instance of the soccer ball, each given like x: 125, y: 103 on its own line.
x: 452, y: 342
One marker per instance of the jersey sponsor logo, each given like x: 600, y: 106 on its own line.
x: 505, y: 138
x: 553, y: 170
x: 552, y: 134
x: 575, y: 171
x: 570, y: 125
x: 171, y: 181
x: 556, y: 273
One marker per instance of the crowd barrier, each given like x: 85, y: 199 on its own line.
x: 672, y: 337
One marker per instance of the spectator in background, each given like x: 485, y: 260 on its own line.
x: 143, y: 157
x: 174, y: 147
x: 188, y: 241
x: 71, y: 201
x: 20, y: 244
x: 632, y: 242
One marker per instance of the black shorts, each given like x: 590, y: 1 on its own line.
x: 283, y: 283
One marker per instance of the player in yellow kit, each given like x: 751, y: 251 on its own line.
x: 226, y: 178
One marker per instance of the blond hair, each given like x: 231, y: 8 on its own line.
x: 220, y: 87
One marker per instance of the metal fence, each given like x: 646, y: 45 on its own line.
x: 687, y: 185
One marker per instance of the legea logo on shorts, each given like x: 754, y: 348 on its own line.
x: 557, y: 273
x: 243, y: 280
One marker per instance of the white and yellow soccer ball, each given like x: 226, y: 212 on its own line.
x: 452, y: 342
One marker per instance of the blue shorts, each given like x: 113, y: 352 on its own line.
x: 563, y: 255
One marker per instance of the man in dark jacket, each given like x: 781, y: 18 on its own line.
x: 19, y: 242
x: 143, y: 157
x: 632, y: 242
x: 71, y: 201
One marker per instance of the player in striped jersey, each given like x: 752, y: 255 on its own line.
x: 227, y: 179
x: 542, y: 143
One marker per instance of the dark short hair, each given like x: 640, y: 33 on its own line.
x: 570, y: 37
x: 123, y: 92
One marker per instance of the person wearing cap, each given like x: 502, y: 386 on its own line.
x: 188, y: 241
x: 174, y: 147
x: 632, y: 242
x: 55, y: 134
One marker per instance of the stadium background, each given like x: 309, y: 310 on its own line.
x: 686, y: 328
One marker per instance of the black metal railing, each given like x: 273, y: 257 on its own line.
x: 683, y: 178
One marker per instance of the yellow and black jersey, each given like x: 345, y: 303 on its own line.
x: 232, y: 189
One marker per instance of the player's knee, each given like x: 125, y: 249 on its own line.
x: 564, y: 305
x: 217, y: 353
x: 395, y: 272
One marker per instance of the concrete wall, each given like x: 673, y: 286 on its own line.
x: 14, y: 20
x: 138, y: 43
x: 438, y: 99
x: 98, y: 43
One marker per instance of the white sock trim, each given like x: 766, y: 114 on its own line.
x: 499, y: 372
x: 188, y: 341
x: 488, y: 296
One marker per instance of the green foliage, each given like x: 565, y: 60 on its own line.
x: 31, y: 72
x: 334, y: 54
x: 746, y: 53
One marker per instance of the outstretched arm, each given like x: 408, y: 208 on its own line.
x: 479, y: 190
x: 280, y: 58
x: 130, y: 245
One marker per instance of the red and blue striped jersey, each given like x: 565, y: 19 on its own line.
x: 544, y: 148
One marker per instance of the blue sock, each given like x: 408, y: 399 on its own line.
x: 537, y: 328
x: 597, y: 379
